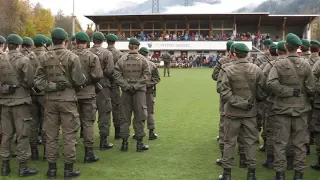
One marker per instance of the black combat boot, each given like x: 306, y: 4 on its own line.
x: 34, y: 153
x: 316, y: 166
x: 168, y: 74
x: 251, y: 174
x: 89, y: 156
x: 141, y: 147
x: 52, y: 171
x: 268, y: 163
x: 242, y: 161
x: 5, y: 169
x: 218, y: 138
x: 69, y: 172
x: 152, y: 135
x: 290, y: 160
x: 218, y: 161
x: 226, y: 174
x: 124, y: 147
x: 25, y: 171
x: 280, y: 176
x: 308, y: 149
x: 298, y: 175
x: 262, y: 148
x: 104, y: 143
x: 117, y: 133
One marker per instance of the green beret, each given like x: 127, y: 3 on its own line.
x: 143, y: 49
x: 305, y: 42
x: 14, y: 39
x: 49, y: 42
x: 73, y: 38
x: 267, y: 42
x: 28, y: 41
x: 229, y: 43
x: 232, y: 47
x: 39, y: 40
x: 82, y: 36
x: 241, y: 48
x: 59, y: 33
x: 2, y: 40
x: 293, y: 40
x: 315, y: 42
x: 112, y: 37
x: 280, y: 45
x: 67, y: 39
x: 98, y: 36
x: 273, y: 47
x: 134, y: 41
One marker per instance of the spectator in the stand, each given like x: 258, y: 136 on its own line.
x: 174, y: 37
x: 192, y: 37
x: 167, y: 36
x: 186, y: 37
x: 197, y: 36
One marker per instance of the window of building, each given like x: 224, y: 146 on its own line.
x: 194, y: 25
x: 181, y: 25
x: 125, y: 26
x: 217, y: 24
x: 113, y: 26
x: 148, y: 25
x: 171, y: 25
x: 158, y: 25
x: 135, y: 25
x: 204, y: 25
x: 228, y: 24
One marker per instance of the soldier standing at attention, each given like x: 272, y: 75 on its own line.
x: 315, y: 47
x: 16, y: 79
x: 216, y: 70
x: 59, y: 75
x: 103, y: 95
x: 132, y: 74
x: 240, y: 86
x: 2, y: 44
x: 151, y: 93
x: 87, y: 96
x: 49, y: 44
x: 115, y: 90
x: 166, y: 59
x: 292, y: 81
x: 27, y: 45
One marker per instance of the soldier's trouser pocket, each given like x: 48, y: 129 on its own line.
x: 26, y: 127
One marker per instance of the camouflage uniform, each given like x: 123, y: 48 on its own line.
x: 166, y: 59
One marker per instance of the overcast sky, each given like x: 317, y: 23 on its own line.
x: 89, y: 7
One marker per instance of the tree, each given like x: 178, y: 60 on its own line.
x: 65, y: 22
x: 43, y: 20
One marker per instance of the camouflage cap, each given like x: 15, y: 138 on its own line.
x: 49, y: 41
x: 280, y: 45
x: 134, y: 41
x: 82, y: 36
x: 98, y: 36
x: 241, y: 48
x: 273, y: 47
x: 293, y: 40
x: 267, y: 42
x: 28, y: 41
x: 39, y: 40
x: 2, y: 40
x: 14, y: 39
x: 112, y: 37
x: 315, y: 42
x: 232, y: 47
x: 229, y: 43
x: 144, y: 49
x: 59, y: 33
x: 73, y: 38
x: 305, y: 42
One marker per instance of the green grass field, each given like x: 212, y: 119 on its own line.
x: 187, y: 125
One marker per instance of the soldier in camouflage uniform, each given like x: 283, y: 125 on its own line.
x: 292, y: 82
x: 151, y: 94
x: 59, y: 74
x: 16, y: 80
x: 87, y: 96
x: 49, y: 44
x: 166, y: 58
x: 315, y: 123
x: 240, y: 86
x: 131, y: 74
x: 115, y: 89
x: 2, y: 45
x: 216, y: 70
x: 103, y: 95
x: 27, y: 45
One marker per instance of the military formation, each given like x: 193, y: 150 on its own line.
x: 277, y: 94
x: 46, y: 87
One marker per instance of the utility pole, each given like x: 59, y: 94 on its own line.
x: 155, y: 6
x: 73, y: 22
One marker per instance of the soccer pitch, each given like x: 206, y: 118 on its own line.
x: 187, y: 120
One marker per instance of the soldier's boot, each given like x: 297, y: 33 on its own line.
x: 81, y: 132
x: 25, y: 171
x: 141, y: 147
x: 218, y: 161
x: 134, y: 137
x: 290, y: 160
x: 218, y: 138
x: 242, y: 161
x: 164, y: 74
x: 125, y: 144
x: 14, y: 154
x: 262, y: 148
x: 52, y: 171
x: 34, y: 153
x: 89, y: 156
x: 251, y: 174
x: 280, y: 176
x: 117, y: 133
x: 152, y: 135
x: 308, y: 148
x: 5, y: 169
x: 268, y: 163
x: 316, y: 166
x: 104, y: 143
x: 226, y: 174
x: 69, y: 172
x: 298, y: 175
x: 312, y: 139
x: 44, y: 153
